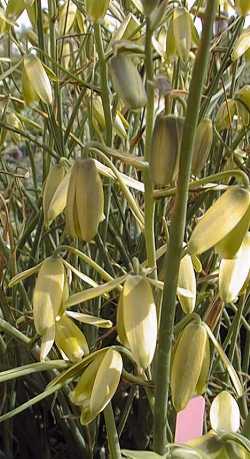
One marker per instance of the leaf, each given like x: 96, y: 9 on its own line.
x: 91, y: 293
x: 24, y: 370
x: 232, y: 373
x: 90, y: 320
x: 180, y: 291
x: 81, y: 276
x: 10, y: 70
x: 24, y: 274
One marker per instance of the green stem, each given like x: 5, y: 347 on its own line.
x: 177, y: 228
x: 240, y: 175
x: 148, y: 194
x: 8, y: 328
x: 113, y: 439
x: 104, y: 83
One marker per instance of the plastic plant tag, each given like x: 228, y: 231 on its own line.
x: 189, y: 422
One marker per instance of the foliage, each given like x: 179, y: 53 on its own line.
x: 122, y: 123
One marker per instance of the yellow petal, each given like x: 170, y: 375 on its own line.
x: 225, y: 414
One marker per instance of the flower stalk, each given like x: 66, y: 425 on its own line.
x: 173, y: 256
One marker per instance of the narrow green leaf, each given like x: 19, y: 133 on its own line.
x: 232, y: 373
x: 90, y: 320
x: 91, y: 293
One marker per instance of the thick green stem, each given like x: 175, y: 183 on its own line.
x: 104, y: 83
x: 148, y: 195
x: 113, y: 439
x: 177, y: 228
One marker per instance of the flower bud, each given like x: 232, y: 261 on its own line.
x: 14, y: 9
x: 224, y: 225
x: 97, y: 384
x: 54, y: 178
x: 187, y: 281
x: 243, y: 7
x: 48, y: 293
x: 241, y: 45
x: 242, y: 98
x: 233, y: 273
x: 137, y: 320
x: 15, y: 122
x: 127, y: 81
x: 149, y: 6
x: 70, y: 340
x: 225, y: 414
x: 59, y: 199
x: 66, y: 17
x: 165, y: 147
x: 36, y: 84
x: 84, y: 208
x: 225, y: 115
x: 96, y: 9
x: 202, y: 145
x: 187, y: 363
x: 182, y: 32
x: 202, y: 383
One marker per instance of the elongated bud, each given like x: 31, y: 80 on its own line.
x: 187, y: 281
x: 59, y: 199
x: 202, y: 383
x: 202, y: 145
x: 241, y: 45
x: 166, y: 141
x: 36, y: 84
x: 70, y: 339
x: 32, y: 37
x: 97, y: 384
x: 14, y: 122
x: 225, y: 115
x: 149, y: 6
x: 67, y: 16
x: 137, y: 320
x: 243, y: 7
x: 54, y: 178
x: 170, y: 41
x: 182, y: 32
x: 224, y: 225
x: 242, y: 98
x: 233, y: 273
x: 225, y: 414
x: 84, y: 208
x: 127, y: 82
x: 48, y: 293
x: 128, y: 30
x: 96, y: 9
x: 14, y: 9
x: 243, y: 95
x: 187, y: 363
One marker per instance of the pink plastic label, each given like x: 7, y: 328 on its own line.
x: 189, y: 422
